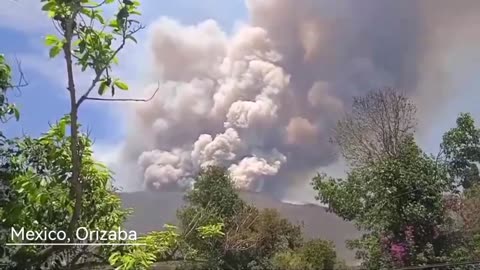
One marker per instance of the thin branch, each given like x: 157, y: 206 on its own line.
x: 125, y: 99
x: 22, y: 81
x: 97, y: 5
x: 100, y: 72
x: 55, y: 25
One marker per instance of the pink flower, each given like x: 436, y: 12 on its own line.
x: 398, y: 252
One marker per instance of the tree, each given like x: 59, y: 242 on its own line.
x: 37, y: 170
x: 159, y: 246
x: 214, y: 190
x: 461, y: 147
x: 7, y: 110
x: 319, y: 253
x: 92, y: 43
x: 376, y: 127
x: 398, y: 200
x: 313, y: 255
x: 251, y: 236
x: 394, y: 191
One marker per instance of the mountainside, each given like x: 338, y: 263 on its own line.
x: 153, y: 209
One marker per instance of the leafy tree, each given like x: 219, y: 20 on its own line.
x: 313, y: 255
x: 394, y: 191
x: 319, y: 253
x: 38, y: 172
x: 398, y: 200
x: 251, y: 237
x: 461, y: 146
x: 214, y: 190
x: 92, y: 43
x: 463, y: 208
x: 158, y: 246
x: 7, y: 110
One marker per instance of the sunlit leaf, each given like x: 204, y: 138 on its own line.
x: 48, y: 6
x: 121, y: 85
x: 51, y: 40
x: 54, y: 51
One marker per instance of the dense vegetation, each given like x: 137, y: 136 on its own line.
x: 415, y: 208
x: 413, y: 205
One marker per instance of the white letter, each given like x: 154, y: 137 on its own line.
x: 61, y: 235
x: 30, y: 235
x: 122, y: 235
x: 50, y: 237
x: 77, y: 233
x: 19, y: 234
x: 132, y: 235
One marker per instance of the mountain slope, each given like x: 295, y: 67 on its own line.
x: 153, y: 210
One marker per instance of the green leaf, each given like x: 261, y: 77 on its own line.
x: 48, y: 6
x: 113, y: 24
x: 135, y: 12
x: 54, y: 51
x: 132, y: 38
x: 121, y: 85
x: 16, y: 113
x: 102, y: 88
x: 51, y: 40
x: 51, y: 13
x: 99, y: 17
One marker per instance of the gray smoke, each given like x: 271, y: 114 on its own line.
x: 262, y: 101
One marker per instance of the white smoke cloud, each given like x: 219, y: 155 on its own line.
x: 262, y: 101
x: 250, y: 170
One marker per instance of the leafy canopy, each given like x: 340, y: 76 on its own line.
x: 94, y: 40
x: 37, y: 172
x: 461, y: 147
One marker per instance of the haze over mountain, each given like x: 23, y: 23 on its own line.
x: 153, y: 209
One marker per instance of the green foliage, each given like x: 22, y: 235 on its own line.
x: 214, y: 190
x: 7, y: 110
x: 94, y: 40
x: 313, y: 255
x: 250, y: 237
x: 461, y: 146
x: 319, y: 253
x: 290, y: 260
x: 38, y: 171
x: 389, y: 198
x: 158, y: 246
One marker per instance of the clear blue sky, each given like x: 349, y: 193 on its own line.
x: 22, y: 29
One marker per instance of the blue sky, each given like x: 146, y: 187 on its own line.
x: 23, y: 27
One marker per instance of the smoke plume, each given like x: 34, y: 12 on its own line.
x: 263, y: 100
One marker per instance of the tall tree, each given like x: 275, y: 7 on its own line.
x: 461, y: 146
x: 398, y: 201
x: 376, y: 127
x: 92, y: 43
x: 393, y: 191
x: 37, y: 171
x: 251, y: 236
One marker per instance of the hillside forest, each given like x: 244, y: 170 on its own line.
x: 414, y: 208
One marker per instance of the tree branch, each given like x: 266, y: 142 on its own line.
x: 22, y: 81
x: 126, y: 99
x: 100, y: 72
